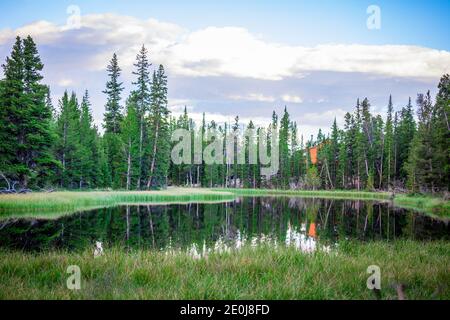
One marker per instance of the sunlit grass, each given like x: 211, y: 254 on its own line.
x: 52, y: 205
x: 58, y: 203
x: 433, y: 206
x: 261, y: 273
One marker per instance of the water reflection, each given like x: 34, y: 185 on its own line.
x: 306, y: 224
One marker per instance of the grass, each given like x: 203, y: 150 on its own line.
x: 55, y: 204
x: 433, y: 206
x: 261, y: 273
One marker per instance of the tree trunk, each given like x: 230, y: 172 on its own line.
x: 152, y: 166
x: 129, y: 165
x: 141, y: 138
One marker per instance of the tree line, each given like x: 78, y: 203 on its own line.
x: 46, y: 147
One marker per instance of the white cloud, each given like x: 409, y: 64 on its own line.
x: 65, y: 82
x: 291, y: 98
x: 253, y: 97
x: 225, y: 51
x: 324, y: 119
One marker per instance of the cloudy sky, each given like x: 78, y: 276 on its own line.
x: 243, y: 58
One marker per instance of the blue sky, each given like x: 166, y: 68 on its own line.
x: 416, y: 22
x: 317, y: 57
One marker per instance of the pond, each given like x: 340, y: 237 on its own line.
x: 304, y: 223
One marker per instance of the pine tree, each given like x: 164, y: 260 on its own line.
x: 130, y: 139
x: 421, y: 172
x: 11, y: 111
x: 69, y: 151
x: 142, y: 92
x: 285, y: 172
x: 27, y: 135
x: 441, y: 135
x: 333, y: 155
x: 89, y: 167
x: 389, y: 162
x: 234, y: 161
x: 113, y: 114
x: 212, y: 170
x: 158, y: 128
x: 405, y: 133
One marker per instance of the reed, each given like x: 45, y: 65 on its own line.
x: 251, y: 273
x: 66, y: 202
x: 433, y: 206
x: 53, y: 205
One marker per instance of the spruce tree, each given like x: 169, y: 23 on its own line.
x: 69, y: 150
x: 158, y: 129
x: 90, y: 155
x: 113, y: 114
x: 389, y: 163
x: 441, y: 135
x: 130, y: 139
x: 406, y: 129
x: 27, y: 135
x: 285, y: 170
x: 142, y: 92
x: 11, y: 111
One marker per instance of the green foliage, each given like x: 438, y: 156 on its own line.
x: 26, y: 136
x: 261, y: 273
x: 312, y: 178
x: 113, y: 115
x: 40, y: 146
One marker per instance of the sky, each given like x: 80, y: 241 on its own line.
x: 243, y: 58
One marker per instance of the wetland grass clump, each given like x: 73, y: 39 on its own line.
x: 250, y: 273
x: 335, y: 194
x: 433, y: 206
x: 58, y: 203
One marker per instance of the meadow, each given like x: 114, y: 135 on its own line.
x: 264, y: 272
x: 250, y: 273
x: 55, y: 204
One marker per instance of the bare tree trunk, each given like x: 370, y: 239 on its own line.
x: 129, y: 165
x: 198, y: 175
x: 152, y: 166
x: 64, y: 153
x: 141, y: 138
x: 7, y: 181
x: 128, y: 222
x: 151, y: 225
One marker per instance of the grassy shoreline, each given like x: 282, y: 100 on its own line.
x: 55, y: 204
x: 433, y: 206
x: 261, y: 273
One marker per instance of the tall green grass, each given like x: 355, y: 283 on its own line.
x: 335, y: 194
x: 433, y: 206
x: 55, y: 204
x: 261, y: 273
x: 58, y: 203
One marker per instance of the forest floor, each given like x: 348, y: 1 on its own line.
x: 250, y: 273
x: 55, y: 204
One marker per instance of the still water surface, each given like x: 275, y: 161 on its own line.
x: 305, y: 223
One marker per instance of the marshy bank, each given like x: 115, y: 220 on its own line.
x: 55, y: 204
x: 229, y: 247
x: 65, y: 202
x: 251, y: 273
x: 432, y: 205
